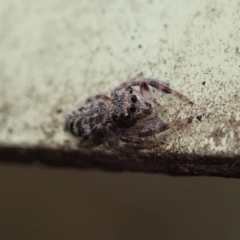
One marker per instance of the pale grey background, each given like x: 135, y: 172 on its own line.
x: 55, y: 54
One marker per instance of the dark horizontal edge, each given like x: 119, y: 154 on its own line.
x: 173, y: 164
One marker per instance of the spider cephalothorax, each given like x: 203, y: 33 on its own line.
x: 127, y: 115
x: 128, y: 107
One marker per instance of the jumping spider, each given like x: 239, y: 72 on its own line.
x: 126, y: 116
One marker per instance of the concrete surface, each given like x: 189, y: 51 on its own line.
x: 54, y: 54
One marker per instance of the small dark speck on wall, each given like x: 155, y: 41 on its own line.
x: 203, y: 83
x: 237, y: 50
x: 58, y: 110
x: 139, y: 46
x: 199, y: 118
x: 10, y: 130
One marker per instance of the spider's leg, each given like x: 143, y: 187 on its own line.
x: 135, y: 81
x: 96, y: 134
x: 145, y: 91
x: 126, y: 85
x: 136, y: 141
x: 157, y: 105
x: 98, y: 97
x: 162, y: 87
x: 113, y: 140
x: 152, y: 129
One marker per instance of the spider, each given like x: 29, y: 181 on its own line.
x: 127, y: 116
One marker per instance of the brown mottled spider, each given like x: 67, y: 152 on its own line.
x: 126, y: 116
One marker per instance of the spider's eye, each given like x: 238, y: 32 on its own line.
x: 133, y: 98
x: 133, y: 108
x: 130, y: 90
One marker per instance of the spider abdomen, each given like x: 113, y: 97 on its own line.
x: 87, y: 120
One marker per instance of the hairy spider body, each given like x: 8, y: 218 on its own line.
x: 126, y: 116
x: 90, y: 120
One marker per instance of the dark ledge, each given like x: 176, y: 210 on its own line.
x: 166, y: 163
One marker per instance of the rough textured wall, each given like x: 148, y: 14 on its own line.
x: 54, y: 54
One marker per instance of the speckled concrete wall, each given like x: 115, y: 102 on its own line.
x: 54, y: 54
